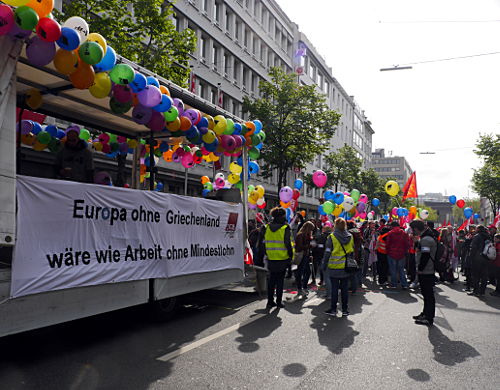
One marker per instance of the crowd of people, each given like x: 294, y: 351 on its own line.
x: 384, y: 253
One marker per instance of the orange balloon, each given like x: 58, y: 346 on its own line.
x: 41, y: 7
x: 175, y: 125
x: 284, y: 205
x: 251, y: 128
x: 164, y: 90
x: 83, y: 77
x: 167, y: 156
x: 185, y: 123
x: 413, y: 210
x: 66, y: 61
x: 204, y: 179
x: 28, y: 139
x: 303, y: 213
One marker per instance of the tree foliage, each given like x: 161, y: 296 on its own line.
x: 141, y: 31
x: 343, y: 168
x: 486, y: 179
x: 297, y: 122
x: 371, y: 184
x: 458, y: 213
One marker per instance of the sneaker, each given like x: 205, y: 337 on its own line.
x: 280, y: 305
x: 466, y: 289
x: 424, y: 321
x: 414, y: 285
x: 345, y: 313
x: 330, y: 312
x: 270, y: 305
x: 472, y: 293
x: 420, y: 316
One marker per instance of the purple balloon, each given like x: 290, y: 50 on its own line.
x: 179, y: 105
x: 191, y: 114
x: 203, y: 130
x: 122, y: 93
x: 124, y: 148
x: 286, y: 194
x: 149, y: 96
x: 141, y: 114
x: 157, y: 121
x: 26, y: 126
x: 18, y: 33
x: 40, y: 52
x: 361, y: 207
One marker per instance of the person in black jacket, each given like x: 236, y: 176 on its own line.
x: 480, y: 263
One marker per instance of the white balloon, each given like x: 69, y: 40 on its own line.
x: 424, y: 214
x: 370, y: 217
x: 261, y: 201
x: 348, y: 203
x: 219, y: 175
x: 79, y: 25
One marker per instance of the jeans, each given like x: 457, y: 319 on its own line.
x: 343, y: 283
x: 427, y: 289
x: 303, y: 273
x: 397, y: 267
x: 382, y: 267
x: 275, y: 281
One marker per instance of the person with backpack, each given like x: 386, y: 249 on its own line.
x: 480, y: 262
x: 303, y: 249
x: 425, y: 256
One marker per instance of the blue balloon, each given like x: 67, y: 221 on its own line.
x: 298, y: 184
x: 259, y: 146
x: 165, y: 104
x: 164, y: 146
x: 468, y: 212
x: 37, y: 127
x: 258, y: 126
x: 60, y: 134
x: 205, y: 192
x: 476, y: 216
x: 153, y: 81
x: 69, y: 40
x: 328, y: 195
x: 237, y: 129
x: 452, y: 199
x: 52, y: 130
x: 338, y: 198
x: 203, y: 122
x: 386, y: 217
x: 288, y: 215
x: 159, y: 186
x: 253, y: 167
x: 139, y: 83
x: 107, y: 62
x: 375, y: 202
x: 320, y: 210
x: 146, y: 161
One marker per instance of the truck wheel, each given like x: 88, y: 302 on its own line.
x: 164, y: 309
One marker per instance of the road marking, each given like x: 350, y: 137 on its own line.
x: 205, y: 340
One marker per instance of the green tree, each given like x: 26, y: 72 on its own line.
x: 486, y: 179
x: 297, y: 122
x: 370, y: 183
x: 458, y: 213
x: 141, y: 31
x: 343, y: 168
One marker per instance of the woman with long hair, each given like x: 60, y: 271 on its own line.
x: 303, y: 249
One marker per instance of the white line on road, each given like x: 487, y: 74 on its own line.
x: 207, y: 339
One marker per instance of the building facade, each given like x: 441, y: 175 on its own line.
x: 391, y: 167
x: 238, y: 42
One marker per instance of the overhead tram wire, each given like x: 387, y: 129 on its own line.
x: 436, y: 21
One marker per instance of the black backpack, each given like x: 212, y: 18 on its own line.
x: 439, y: 263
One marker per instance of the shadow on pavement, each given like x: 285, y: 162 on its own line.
x: 116, y: 350
x: 449, y: 352
x: 418, y: 375
x: 294, y: 370
x: 259, y: 329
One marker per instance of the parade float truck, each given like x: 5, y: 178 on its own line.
x: 70, y: 250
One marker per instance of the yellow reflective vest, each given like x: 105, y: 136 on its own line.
x: 337, y: 257
x: 275, y: 243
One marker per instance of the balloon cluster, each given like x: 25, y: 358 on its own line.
x: 90, y: 63
x: 256, y: 198
x: 219, y: 183
x: 348, y: 205
x: 468, y: 212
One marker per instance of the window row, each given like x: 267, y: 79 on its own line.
x: 387, y: 161
x: 386, y: 169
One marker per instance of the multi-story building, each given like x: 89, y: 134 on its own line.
x: 239, y: 41
x: 391, y: 167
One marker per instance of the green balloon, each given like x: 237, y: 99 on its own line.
x: 43, y: 137
x: 91, y: 52
x: 355, y: 194
x: 142, y: 141
x: 158, y: 152
x: 118, y: 107
x: 122, y: 74
x: 262, y: 136
x: 238, y: 185
x: 171, y: 114
x: 114, y: 146
x: 328, y: 207
x: 84, y: 134
x: 112, y: 137
x: 251, y: 188
x: 254, y: 153
x: 255, y: 139
x: 209, y: 186
x: 26, y: 18
x: 54, y: 145
x: 229, y: 127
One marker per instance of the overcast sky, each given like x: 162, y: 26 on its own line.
x: 434, y: 106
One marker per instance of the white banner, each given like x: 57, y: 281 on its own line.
x: 73, y: 234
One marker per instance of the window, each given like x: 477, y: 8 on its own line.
x: 237, y: 30
x: 213, y: 94
x: 228, y: 21
x: 215, y: 53
x: 201, y: 90
x: 225, y: 63
x: 246, y: 33
x: 312, y: 70
x: 254, y: 45
x: 203, y: 47
x: 204, y: 5
x: 263, y: 15
x: 262, y: 52
x: 175, y: 21
x: 217, y: 9
x: 256, y: 9
x: 236, y: 110
x: 236, y: 66
x: 319, y: 80
x: 327, y: 88
x: 245, y: 76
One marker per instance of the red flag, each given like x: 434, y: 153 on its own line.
x: 221, y: 98
x: 410, y: 188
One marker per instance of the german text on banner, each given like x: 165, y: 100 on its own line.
x: 73, y: 234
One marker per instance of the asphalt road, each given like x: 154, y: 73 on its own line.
x: 224, y: 339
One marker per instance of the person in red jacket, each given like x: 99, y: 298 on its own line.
x: 496, y: 265
x: 397, y: 243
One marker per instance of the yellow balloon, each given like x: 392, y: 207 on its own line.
x: 233, y: 178
x: 97, y: 146
x: 101, y: 87
x: 208, y: 137
x: 251, y: 200
x: 254, y: 195
x: 260, y: 190
x: 392, y: 188
x: 38, y: 146
x: 28, y: 139
x: 220, y: 118
x: 98, y: 38
x: 220, y: 127
x: 132, y: 143
x: 16, y: 3
x: 235, y: 168
x: 66, y: 61
x: 34, y: 98
x: 338, y: 210
x: 211, y: 122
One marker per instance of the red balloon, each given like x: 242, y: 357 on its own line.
x: 296, y: 194
x: 461, y: 203
x: 48, y: 30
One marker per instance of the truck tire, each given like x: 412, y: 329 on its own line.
x: 164, y: 309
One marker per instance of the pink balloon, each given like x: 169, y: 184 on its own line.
x: 157, y: 121
x: 228, y: 142
x: 6, y: 19
x: 122, y: 93
x: 363, y: 198
x: 187, y: 160
x: 319, y: 178
x: 178, y: 154
x: 347, y: 193
x: 220, y: 182
x: 394, y: 211
x: 327, y: 224
x: 149, y: 96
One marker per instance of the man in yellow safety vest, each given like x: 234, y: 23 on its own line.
x: 277, y: 245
